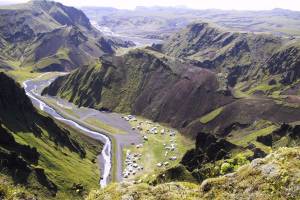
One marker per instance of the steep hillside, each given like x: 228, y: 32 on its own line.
x: 236, y: 55
x: 46, y: 35
x: 273, y: 177
x: 243, y: 113
x: 162, y: 88
x: 217, y: 155
x: 248, y: 64
x: 38, y: 153
x: 204, y: 41
x: 146, y: 83
x: 195, y: 87
x: 39, y: 17
x: 285, y: 62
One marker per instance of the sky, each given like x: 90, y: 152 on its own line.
x: 196, y: 4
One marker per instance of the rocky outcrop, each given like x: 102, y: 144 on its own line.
x: 273, y: 177
x: 208, y: 149
x: 288, y: 133
x: 285, y: 62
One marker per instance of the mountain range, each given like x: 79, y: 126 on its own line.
x: 226, y: 80
x: 161, y: 22
x: 215, y: 86
x: 195, y: 71
x: 47, y: 36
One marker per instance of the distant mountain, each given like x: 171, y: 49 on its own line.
x: 46, y: 36
x: 163, y: 21
x: 262, y: 58
x: 195, y: 81
x: 235, y: 93
x: 169, y: 90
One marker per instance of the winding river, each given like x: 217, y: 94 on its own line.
x: 30, y: 87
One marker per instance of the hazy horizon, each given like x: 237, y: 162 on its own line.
x: 253, y: 5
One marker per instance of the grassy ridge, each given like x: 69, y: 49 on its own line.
x: 64, y: 167
x: 54, y: 159
x: 273, y: 177
x: 210, y: 116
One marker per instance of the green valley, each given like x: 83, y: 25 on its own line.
x: 155, y: 103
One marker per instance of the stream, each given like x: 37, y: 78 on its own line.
x: 31, y: 85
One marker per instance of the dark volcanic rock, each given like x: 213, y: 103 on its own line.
x: 266, y: 140
x: 272, y: 82
x: 208, y: 149
x: 146, y: 83
x: 43, y: 179
x: 285, y: 62
x: 245, y: 112
x: 292, y: 133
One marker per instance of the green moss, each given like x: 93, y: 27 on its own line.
x: 276, y: 95
x: 14, y: 63
x: 8, y: 190
x: 23, y: 74
x: 46, y: 62
x: 169, y: 191
x: 249, y: 134
x: 234, y: 163
x: 210, y: 116
x: 252, y: 136
x: 114, y: 159
x: 261, y: 87
x: 263, y: 147
x: 64, y: 167
x: 63, y: 53
x: 277, y: 182
x: 238, y: 90
x: 226, y: 168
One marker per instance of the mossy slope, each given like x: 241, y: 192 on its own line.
x: 49, y: 159
x: 273, y: 177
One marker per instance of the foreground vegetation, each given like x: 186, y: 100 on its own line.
x: 275, y: 177
x: 72, y: 174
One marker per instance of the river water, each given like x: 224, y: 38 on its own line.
x: 31, y: 85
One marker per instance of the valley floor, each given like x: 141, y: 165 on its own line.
x: 124, y: 135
